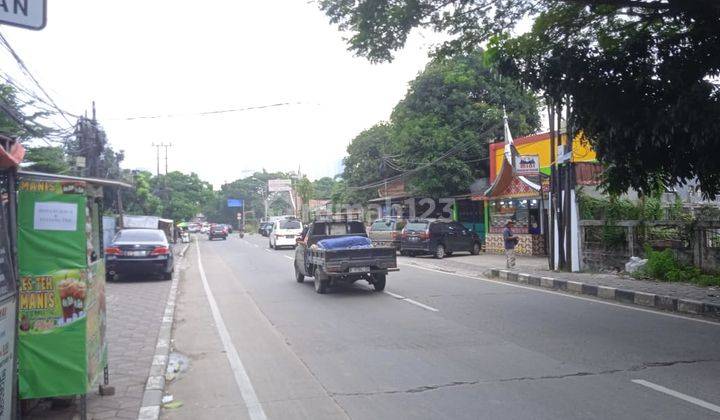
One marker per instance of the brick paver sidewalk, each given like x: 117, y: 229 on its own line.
x: 483, y: 263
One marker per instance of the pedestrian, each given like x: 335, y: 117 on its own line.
x: 510, y: 243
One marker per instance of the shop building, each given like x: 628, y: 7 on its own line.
x: 519, y: 190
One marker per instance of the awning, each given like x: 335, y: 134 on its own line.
x: 98, y: 181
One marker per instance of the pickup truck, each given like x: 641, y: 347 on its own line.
x: 331, y: 266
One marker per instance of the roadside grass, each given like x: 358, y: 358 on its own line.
x: 663, y: 266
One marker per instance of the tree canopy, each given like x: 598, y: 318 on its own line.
x: 437, y: 137
x: 640, y: 76
x: 49, y: 159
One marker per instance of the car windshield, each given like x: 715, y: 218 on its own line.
x: 140, y: 235
x: 416, y: 226
x: 290, y: 224
x: 382, y: 225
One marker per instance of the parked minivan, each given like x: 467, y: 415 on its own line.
x: 438, y: 237
x: 386, y: 232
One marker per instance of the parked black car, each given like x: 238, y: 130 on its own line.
x: 218, y: 231
x: 438, y: 237
x: 139, y: 251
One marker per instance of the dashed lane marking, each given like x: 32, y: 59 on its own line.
x: 519, y: 286
x: 680, y: 395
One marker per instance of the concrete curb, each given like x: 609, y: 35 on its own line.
x: 152, y: 396
x: 632, y: 297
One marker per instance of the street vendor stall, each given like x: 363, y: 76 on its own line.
x: 62, y: 349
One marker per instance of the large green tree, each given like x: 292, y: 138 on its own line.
x: 49, y: 159
x: 640, y: 77
x: 451, y: 112
x: 437, y: 137
x: 364, y: 165
x: 323, y: 187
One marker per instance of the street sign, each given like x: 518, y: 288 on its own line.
x: 231, y: 202
x: 29, y: 14
x: 277, y: 185
x: 527, y: 165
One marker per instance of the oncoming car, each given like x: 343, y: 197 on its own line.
x: 139, y: 251
x: 284, y: 233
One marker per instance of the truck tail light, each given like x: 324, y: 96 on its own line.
x: 160, y: 250
x: 425, y: 235
x: 113, y: 250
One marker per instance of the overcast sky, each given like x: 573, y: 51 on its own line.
x: 140, y: 57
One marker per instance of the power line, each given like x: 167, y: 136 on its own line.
x: 22, y: 65
x: 206, y: 113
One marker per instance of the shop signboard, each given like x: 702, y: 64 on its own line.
x: 526, y: 165
x: 61, y: 337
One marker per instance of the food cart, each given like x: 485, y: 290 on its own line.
x: 62, y: 349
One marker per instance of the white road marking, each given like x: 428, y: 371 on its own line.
x: 680, y: 395
x: 411, y: 301
x: 422, y: 305
x: 394, y: 295
x: 255, y: 245
x: 255, y: 410
x: 288, y: 257
x: 602, y: 302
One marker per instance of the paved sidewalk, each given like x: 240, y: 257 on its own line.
x: 134, y: 314
x: 538, y: 266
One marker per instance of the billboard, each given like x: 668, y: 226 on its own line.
x: 277, y: 185
x: 234, y: 202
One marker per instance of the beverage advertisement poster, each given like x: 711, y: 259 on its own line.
x: 61, y: 345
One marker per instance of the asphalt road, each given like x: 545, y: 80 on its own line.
x: 434, y: 346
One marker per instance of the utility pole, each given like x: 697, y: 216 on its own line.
x: 157, y: 156
x: 166, y: 156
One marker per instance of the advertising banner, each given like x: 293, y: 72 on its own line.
x: 61, y: 345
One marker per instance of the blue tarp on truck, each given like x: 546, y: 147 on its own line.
x: 345, y: 242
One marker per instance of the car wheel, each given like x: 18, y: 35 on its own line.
x: 379, y: 282
x: 440, y: 251
x: 321, y: 282
x: 299, y: 277
x: 475, y: 249
x: 403, y: 253
x: 270, y: 244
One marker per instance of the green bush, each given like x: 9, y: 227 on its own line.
x: 663, y: 266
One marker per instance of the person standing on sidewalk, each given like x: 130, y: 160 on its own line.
x: 510, y: 242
